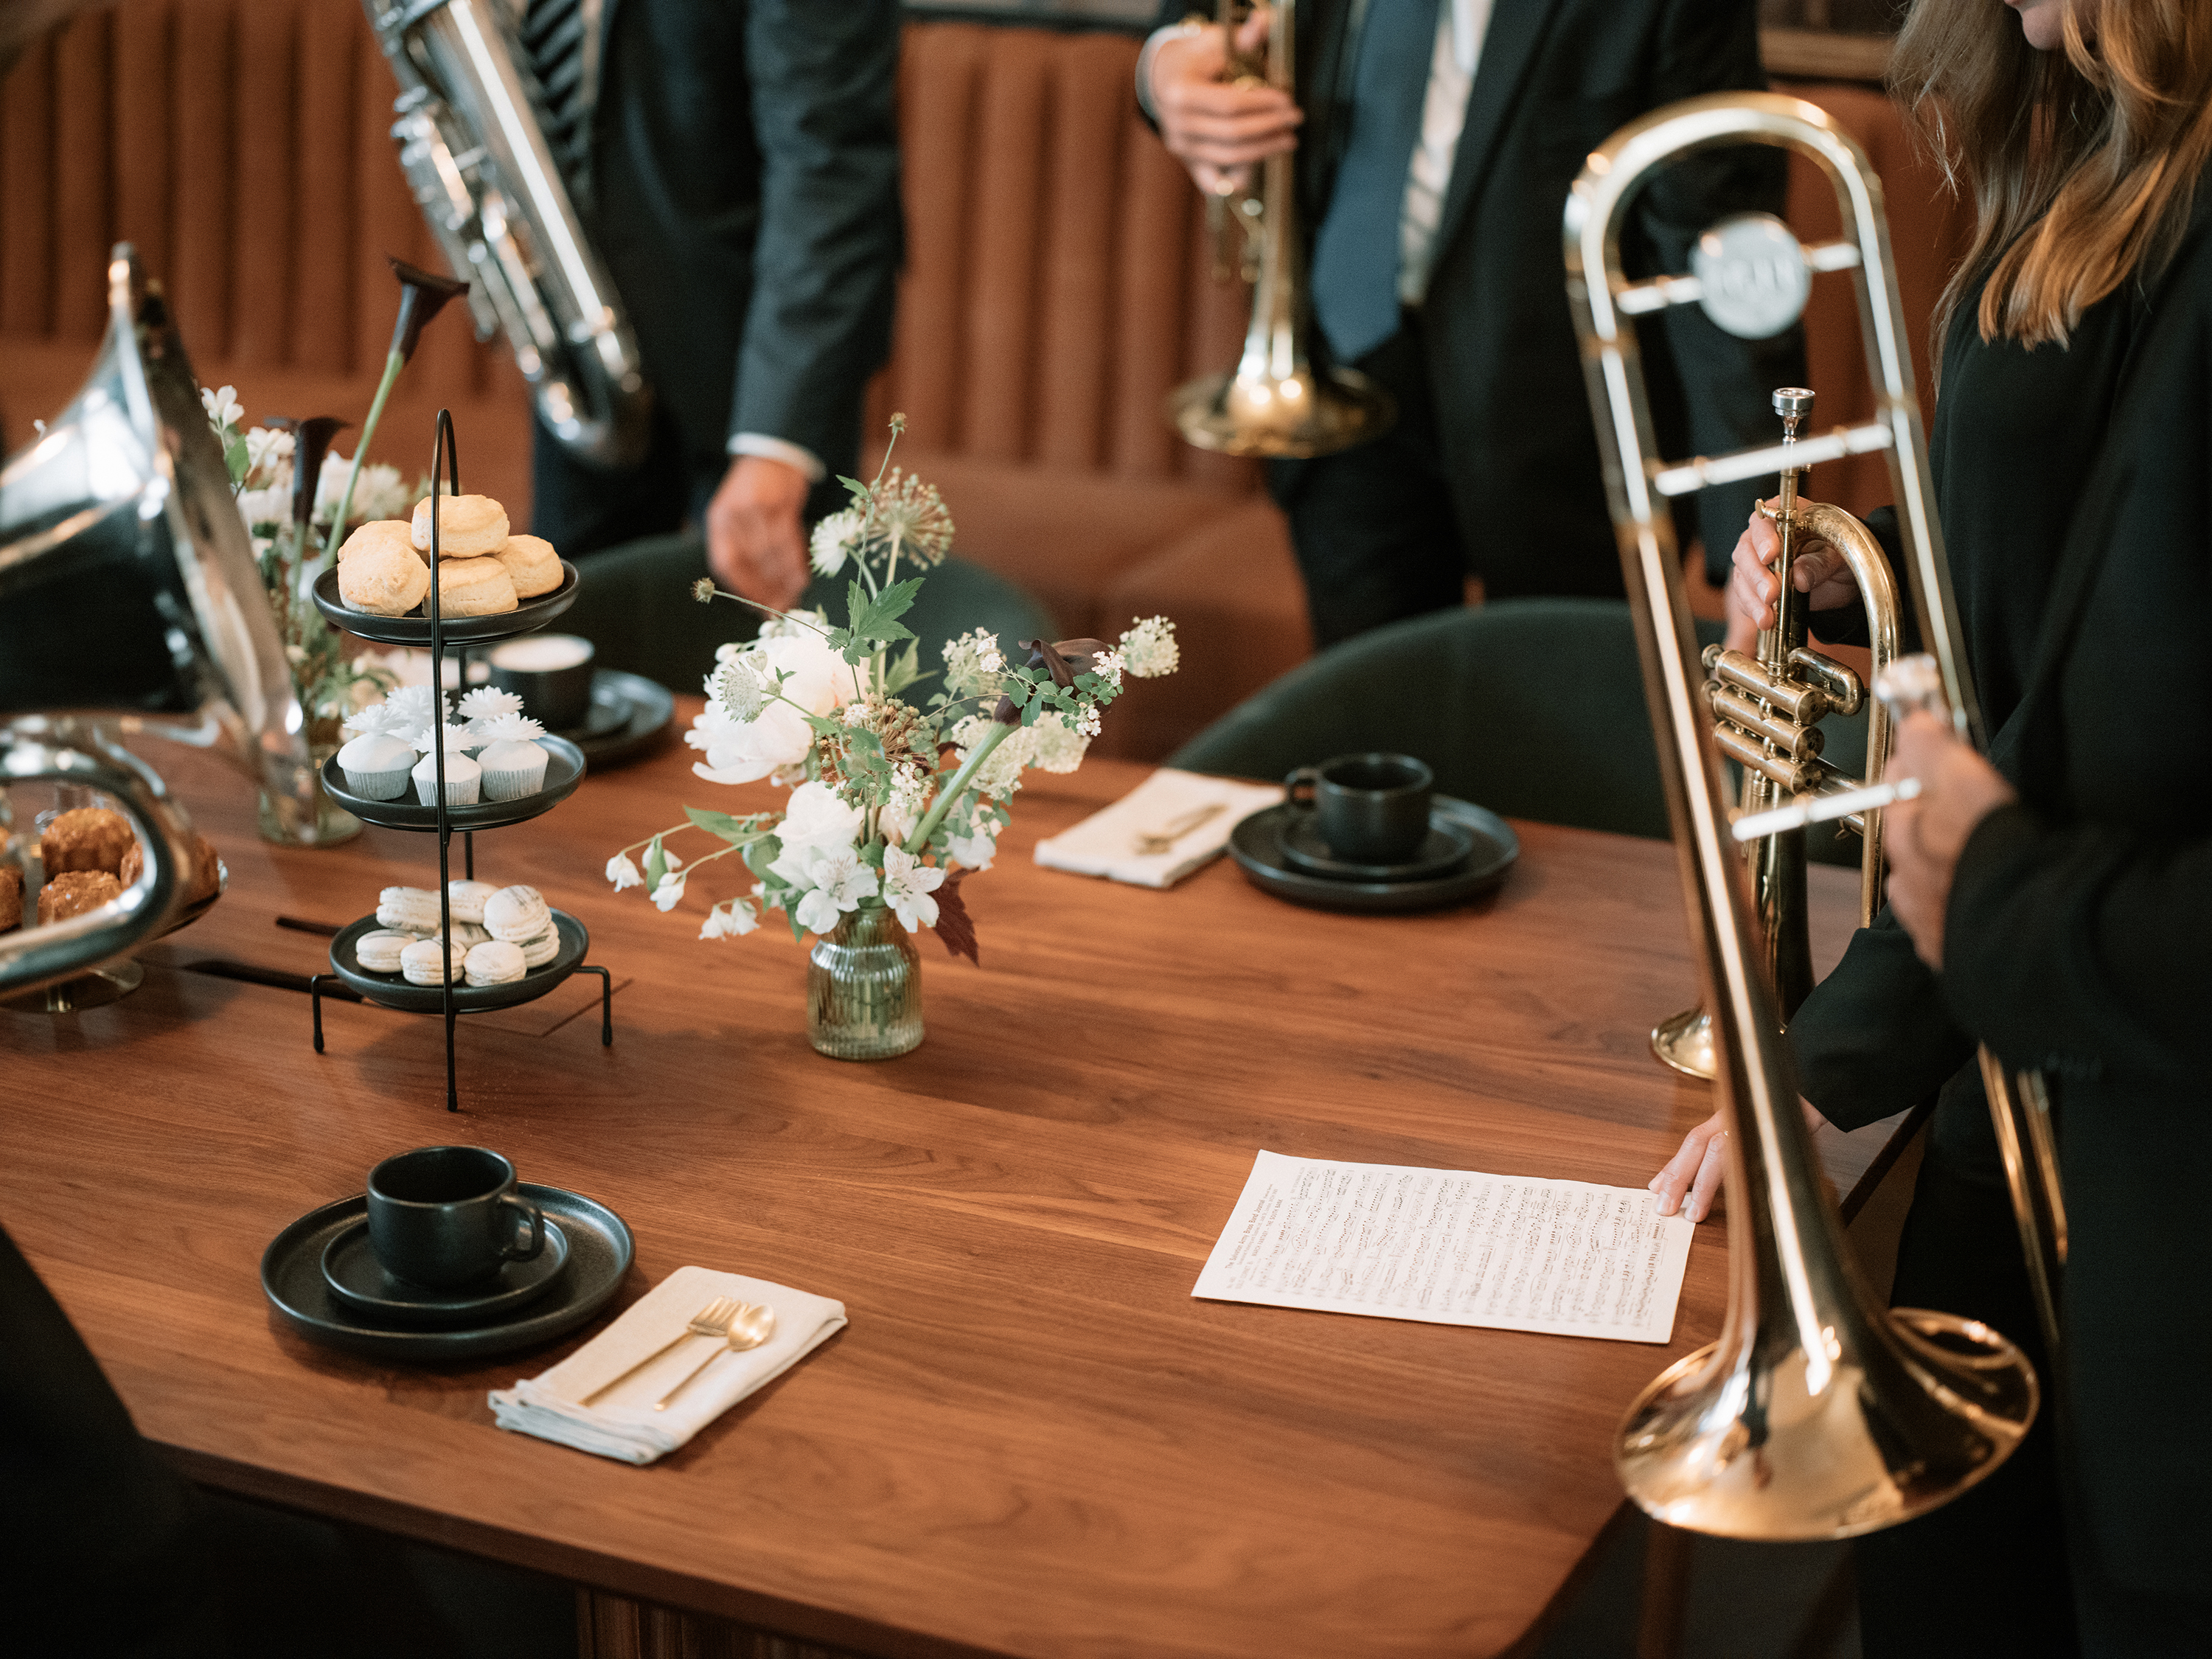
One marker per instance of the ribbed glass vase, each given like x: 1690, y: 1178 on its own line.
x: 863, y: 988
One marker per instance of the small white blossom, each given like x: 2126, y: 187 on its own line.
x: 833, y: 541
x: 670, y: 890
x: 624, y: 873
x: 488, y: 702
x: 1148, y: 648
x: 223, y: 405
x: 257, y: 507
x: 730, y: 920
x: 907, y: 885
x: 794, y: 625
x: 268, y: 451
x: 1086, y: 723
x: 1108, y: 665
x: 1056, y: 744
x: 973, y: 663
x: 977, y: 848
x: 378, y: 492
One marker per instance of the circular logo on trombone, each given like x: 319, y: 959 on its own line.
x: 1752, y: 276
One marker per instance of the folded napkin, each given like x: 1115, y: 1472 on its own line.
x: 622, y: 1423
x: 1104, y: 844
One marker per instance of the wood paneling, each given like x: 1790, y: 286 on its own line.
x: 1032, y: 1440
x: 27, y: 226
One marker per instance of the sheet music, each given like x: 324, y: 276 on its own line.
x: 1451, y: 1247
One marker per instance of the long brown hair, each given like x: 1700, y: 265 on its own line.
x: 2081, y: 163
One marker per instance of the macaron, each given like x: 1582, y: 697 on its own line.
x: 537, y: 952
x: 421, y: 961
x: 495, y: 964
x: 516, y: 913
x: 468, y: 526
x: 467, y: 935
x: 379, y: 952
x: 408, y: 910
x: 465, y: 899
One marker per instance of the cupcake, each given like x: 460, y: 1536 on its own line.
x: 487, y: 703
x: 463, y: 777
x: 513, y: 766
x: 375, y: 765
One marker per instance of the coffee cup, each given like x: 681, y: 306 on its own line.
x: 447, y: 1216
x: 1369, y: 809
x: 552, y: 675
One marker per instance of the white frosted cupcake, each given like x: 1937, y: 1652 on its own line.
x: 463, y: 777
x: 513, y: 766
x: 376, y: 765
x: 484, y: 706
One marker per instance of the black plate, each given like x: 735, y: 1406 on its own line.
x: 646, y: 709
x: 525, y: 618
x: 357, y: 1279
x: 1256, y: 844
x: 564, y: 770
x: 394, y: 992
x: 599, y: 1251
x: 1447, y: 843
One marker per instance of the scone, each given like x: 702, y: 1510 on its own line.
x: 11, y: 898
x: 74, y: 893
x: 533, y: 564
x: 381, y: 533
x: 89, y: 838
x: 468, y: 526
x: 473, y: 587
x: 384, y: 581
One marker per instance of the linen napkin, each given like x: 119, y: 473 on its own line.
x: 1104, y: 844
x: 622, y: 1423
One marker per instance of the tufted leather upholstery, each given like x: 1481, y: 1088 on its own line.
x: 1056, y: 289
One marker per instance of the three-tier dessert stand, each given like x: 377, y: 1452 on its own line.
x: 564, y: 770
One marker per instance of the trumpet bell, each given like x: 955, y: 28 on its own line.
x: 1307, y: 413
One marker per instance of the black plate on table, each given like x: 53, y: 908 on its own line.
x: 599, y: 1251
x: 414, y: 629
x: 564, y: 770
x: 628, y: 714
x: 1448, y: 844
x: 393, y: 991
x: 1256, y: 844
x: 358, y: 1281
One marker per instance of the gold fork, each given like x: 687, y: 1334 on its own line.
x: 713, y: 1320
x: 754, y: 1325
x: 1146, y: 843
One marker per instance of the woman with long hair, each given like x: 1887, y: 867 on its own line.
x: 2045, y: 905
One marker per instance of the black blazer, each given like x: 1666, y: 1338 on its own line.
x: 745, y: 191
x: 1555, y: 79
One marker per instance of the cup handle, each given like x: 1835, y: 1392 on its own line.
x: 513, y: 1251
x: 1304, y: 778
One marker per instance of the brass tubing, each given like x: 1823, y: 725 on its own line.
x: 1797, y: 776
x: 1796, y: 742
x: 1806, y: 704
x: 1846, y: 696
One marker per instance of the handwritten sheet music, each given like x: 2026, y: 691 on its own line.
x: 1452, y: 1248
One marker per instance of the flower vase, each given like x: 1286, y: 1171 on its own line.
x: 333, y: 824
x: 863, y: 988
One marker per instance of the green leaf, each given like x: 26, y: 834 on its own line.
x: 855, y: 488
x: 656, y: 865
x: 235, y: 458
x: 762, y: 854
x: 906, y: 670
x: 739, y: 832
x: 877, y: 619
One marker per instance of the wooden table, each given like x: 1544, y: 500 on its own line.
x: 1030, y: 1440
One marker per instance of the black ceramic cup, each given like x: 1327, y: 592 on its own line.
x: 552, y: 675
x: 447, y: 1216
x: 1370, y: 809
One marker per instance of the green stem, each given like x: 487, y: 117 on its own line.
x: 393, y: 362
x: 950, y: 795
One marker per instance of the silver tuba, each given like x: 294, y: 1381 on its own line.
x: 1818, y: 1414
x: 473, y: 146
x: 131, y: 603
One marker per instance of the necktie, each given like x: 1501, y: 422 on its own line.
x: 1355, y: 268
x: 554, y: 39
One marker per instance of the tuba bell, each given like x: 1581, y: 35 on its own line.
x: 1818, y: 1414
x: 472, y: 145
x: 130, y: 603
x: 1274, y: 403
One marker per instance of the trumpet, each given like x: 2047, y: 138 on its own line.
x: 1818, y: 1414
x: 1274, y: 403
x: 1766, y: 712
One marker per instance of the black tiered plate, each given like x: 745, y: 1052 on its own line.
x: 526, y: 618
x: 564, y: 770
x: 393, y: 991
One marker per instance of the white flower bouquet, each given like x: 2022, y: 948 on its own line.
x: 895, y: 796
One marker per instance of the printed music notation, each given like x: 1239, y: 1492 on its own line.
x: 1451, y: 1247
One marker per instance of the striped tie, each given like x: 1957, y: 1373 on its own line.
x: 554, y: 36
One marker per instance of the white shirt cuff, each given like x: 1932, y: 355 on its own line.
x: 1152, y: 43
x: 797, y: 457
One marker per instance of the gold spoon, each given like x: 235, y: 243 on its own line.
x: 754, y: 1325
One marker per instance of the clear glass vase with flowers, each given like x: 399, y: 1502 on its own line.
x: 899, y: 790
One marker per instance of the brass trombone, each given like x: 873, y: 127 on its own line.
x: 1818, y: 1414
x: 1766, y: 712
x: 1274, y: 403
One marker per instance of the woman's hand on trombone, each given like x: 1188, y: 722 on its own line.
x: 1691, y: 1179
x: 1925, y: 836
x: 1816, y: 569
x: 1216, y: 128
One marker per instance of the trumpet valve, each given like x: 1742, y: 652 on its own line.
x: 1797, y: 776
x: 1803, y: 705
x: 1786, y: 738
x: 1845, y: 692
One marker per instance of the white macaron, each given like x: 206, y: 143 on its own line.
x: 379, y: 952
x: 495, y: 964
x: 424, y: 960
x: 408, y: 909
x: 516, y: 913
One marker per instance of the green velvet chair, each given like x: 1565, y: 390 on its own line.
x: 1532, y: 708
x: 636, y: 606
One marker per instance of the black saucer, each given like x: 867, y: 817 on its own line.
x: 1256, y: 844
x: 355, y: 1276
x: 629, y: 714
x: 599, y: 1251
x: 1447, y: 843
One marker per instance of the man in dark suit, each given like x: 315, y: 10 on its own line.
x: 737, y: 167
x: 1436, y: 140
